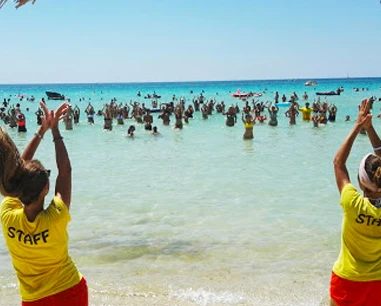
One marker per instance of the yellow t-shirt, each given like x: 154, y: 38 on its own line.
x: 39, y: 249
x: 360, y: 253
x: 306, y: 112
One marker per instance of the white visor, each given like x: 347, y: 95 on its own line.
x: 364, y: 178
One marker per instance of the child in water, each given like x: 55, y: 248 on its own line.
x: 130, y: 131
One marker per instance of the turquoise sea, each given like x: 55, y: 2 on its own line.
x: 199, y: 216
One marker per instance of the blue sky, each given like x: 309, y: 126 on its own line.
x: 71, y: 41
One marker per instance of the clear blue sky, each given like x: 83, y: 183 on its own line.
x: 70, y: 41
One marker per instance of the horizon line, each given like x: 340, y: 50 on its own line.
x: 192, y: 81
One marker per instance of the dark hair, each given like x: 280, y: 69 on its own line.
x: 18, y: 178
x: 373, y: 169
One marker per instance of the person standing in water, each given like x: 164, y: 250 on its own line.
x: 90, y: 112
x: 37, y: 238
x: 21, y: 123
x: 68, y: 120
x: 306, y: 111
x: 179, y: 118
x: 273, y: 114
x: 76, y: 114
x: 231, y: 116
x: 248, y: 121
x: 38, y: 114
x: 291, y: 113
x: 356, y: 275
x: 12, y: 117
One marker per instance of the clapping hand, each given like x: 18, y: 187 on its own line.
x: 364, y: 118
x: 51, y: 117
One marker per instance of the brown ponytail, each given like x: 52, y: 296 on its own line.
x: 373, y: 169
x: 18, y: 178
x: 377, y: 177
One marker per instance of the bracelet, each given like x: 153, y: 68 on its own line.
x: 57, y: 138
x: 38, y: 135
x: 377, y: 149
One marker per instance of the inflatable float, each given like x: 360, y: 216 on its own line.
x: 283, y: 104
x: 155, y: 110
x: 239, y: 94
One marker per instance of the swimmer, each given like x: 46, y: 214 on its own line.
x: 130, y: 131
x: 316, y: 120
x: 155, y: 131
x: 261, y: 119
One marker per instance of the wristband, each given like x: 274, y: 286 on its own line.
x: 57, y: 138
x: 377, y: 149
x: 38, y: 135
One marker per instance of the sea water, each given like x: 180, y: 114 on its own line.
x: 200, y: 216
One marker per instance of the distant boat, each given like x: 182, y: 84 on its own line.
x: 329, y: 93
x: 311, y: 83
x: 239, y: 94
x: 54, y: 95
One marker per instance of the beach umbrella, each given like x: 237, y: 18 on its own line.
x: 18, y: 2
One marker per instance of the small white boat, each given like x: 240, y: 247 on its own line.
x: 310, y: 83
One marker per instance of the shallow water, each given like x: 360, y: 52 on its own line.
x: 199, y: 216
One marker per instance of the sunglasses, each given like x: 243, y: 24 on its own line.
x: 48, y: 173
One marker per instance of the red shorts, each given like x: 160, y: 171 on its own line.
x: 74, y: 296
x: 346, y: 292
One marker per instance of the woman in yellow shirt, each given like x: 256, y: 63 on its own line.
x: 356, y: 275
x: 37, y: 238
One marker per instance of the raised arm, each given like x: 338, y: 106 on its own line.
x: 38, y: 135
x: 339, y: 162
x: 373, y: 136
x: 63, y: 181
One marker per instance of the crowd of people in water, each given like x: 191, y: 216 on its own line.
x: 252, y: 111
